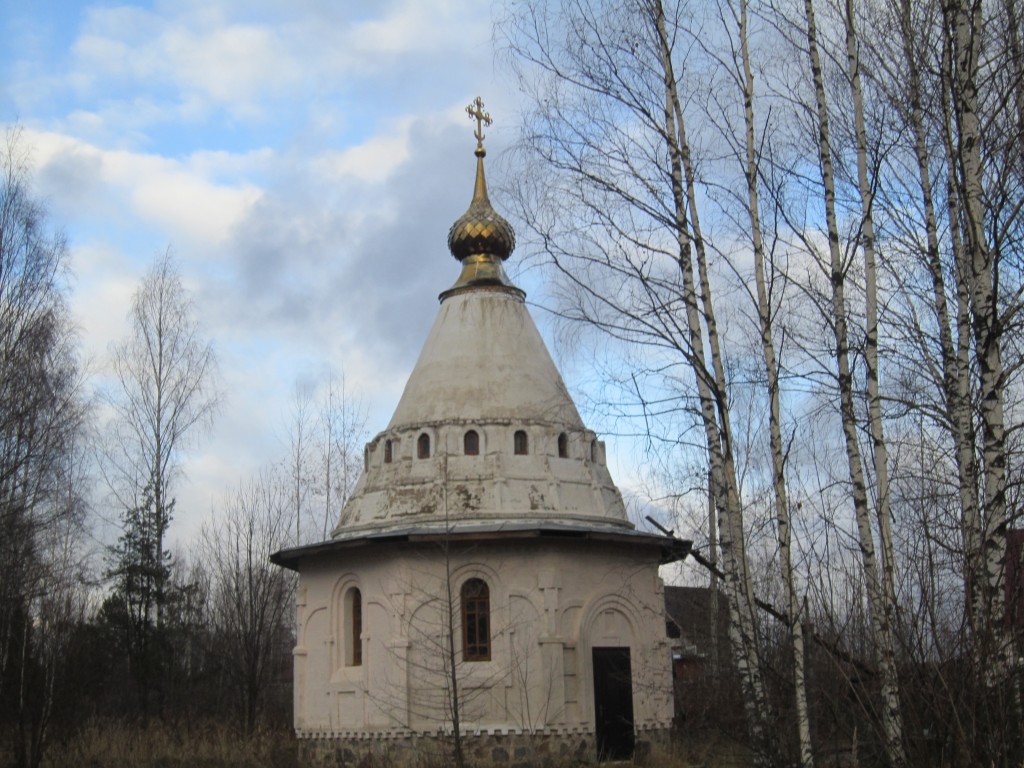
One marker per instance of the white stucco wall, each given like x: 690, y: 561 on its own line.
x: 551, y: 603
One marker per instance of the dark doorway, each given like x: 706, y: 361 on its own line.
x: 613, y: 703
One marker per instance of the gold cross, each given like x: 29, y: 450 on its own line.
x: 476, y: 111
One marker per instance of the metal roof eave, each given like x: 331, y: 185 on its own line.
x: 671, y: 549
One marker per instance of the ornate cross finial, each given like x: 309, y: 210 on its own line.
x: 476, y: 111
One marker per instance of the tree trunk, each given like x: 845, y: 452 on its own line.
x: 954, y: 371
x: 979, y: 271
x: 714, y: 412
x: 777, y: 448
x: 964, y: 20
x: 892, y: 720
x: 876, y: 593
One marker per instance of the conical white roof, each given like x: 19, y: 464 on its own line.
x: 484, y: 360
x: 485, y: 433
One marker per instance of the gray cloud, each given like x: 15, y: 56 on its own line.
x: 326, y: 268
x: 361, y: 261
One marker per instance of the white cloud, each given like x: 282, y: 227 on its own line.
x: 191, y: 207
x: 114, y: 44
x: 233, y: 65
x: 416, y: 27
x: 104, y: 284
x: 173, y: 196
x: 302, y: 162
x: 201, y: 59
x: 373, y: 160
x: 221, y: 163
x: 195, y: 59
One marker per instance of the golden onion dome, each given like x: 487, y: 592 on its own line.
x: 480, y: 234
x: 481, y: 230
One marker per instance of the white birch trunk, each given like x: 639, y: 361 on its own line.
x: 964, y: 23
x: 803, y: 722
x: 980, y: 281
x: 881, y: 629
x: 955, y: 370
x: 884, y: 613
x: 974, y: 592
x: 713, y: 598
x: 714, y: 413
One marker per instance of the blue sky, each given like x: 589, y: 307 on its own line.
x: 302, y: 159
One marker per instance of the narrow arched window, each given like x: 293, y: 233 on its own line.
x: 563, y: 446
x: 354, y: 628
x: 387, y: 451
x: 593, y: 451
x: 471, y: 443
x: 519, y: 443
x: 423, y: 446
x: 476, y: 621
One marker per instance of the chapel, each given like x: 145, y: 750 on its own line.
x: 484, y: 575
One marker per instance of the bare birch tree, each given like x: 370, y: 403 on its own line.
x: 985, y: 216
x: 42, y: 422
x: 608, y: 121
x: 299, y: 461
x: 342, y: 428
x: 837, y: 264
x: 326, y: 433
x: 740, y: 70
x: 250, y: 599
x: 884, y: 136
x: 892, y: 717
x: 163, y: 394
x: 956, y: 69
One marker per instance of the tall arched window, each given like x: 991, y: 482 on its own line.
x: 471, y: 443
x: 387, y: 452
x: 353, y: 628
x: 563, y: 446
x: 476, y: 621
x: 423, y: 446
x: 519, y: 443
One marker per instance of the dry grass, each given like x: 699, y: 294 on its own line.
x: 115, y: 745
x: 707, y: 750
x: 110, y: 744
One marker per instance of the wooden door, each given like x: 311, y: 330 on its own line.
x: 613, y: 703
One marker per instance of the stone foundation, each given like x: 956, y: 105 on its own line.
x: 501, y: 750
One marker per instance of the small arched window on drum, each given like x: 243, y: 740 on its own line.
x: 520, y: 445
